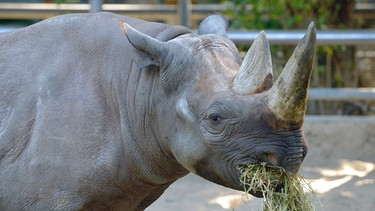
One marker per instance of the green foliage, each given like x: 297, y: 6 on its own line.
x: 282, y: 14
x: 65, y: 1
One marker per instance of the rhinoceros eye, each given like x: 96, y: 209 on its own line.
x: 215, y: 118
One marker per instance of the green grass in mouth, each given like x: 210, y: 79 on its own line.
x: 281, y: 190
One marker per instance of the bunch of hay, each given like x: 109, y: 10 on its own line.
x: 281, y: 190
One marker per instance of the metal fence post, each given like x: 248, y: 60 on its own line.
x: 95, y: 5
x: 184, y: 11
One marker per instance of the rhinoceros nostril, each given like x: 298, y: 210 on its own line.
x: 271, y: 158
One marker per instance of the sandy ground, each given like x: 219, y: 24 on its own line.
x: 340, y: 167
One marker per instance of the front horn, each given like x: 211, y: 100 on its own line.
x: 287, y: 97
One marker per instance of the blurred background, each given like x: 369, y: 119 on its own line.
x: 340, y: 125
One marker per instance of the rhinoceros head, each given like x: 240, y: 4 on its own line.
x: 228, y: 112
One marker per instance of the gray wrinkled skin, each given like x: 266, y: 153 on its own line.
x: 89, y: 120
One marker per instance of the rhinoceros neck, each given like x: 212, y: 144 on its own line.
x: 140, y: 114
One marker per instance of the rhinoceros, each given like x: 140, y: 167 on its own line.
x: 101, y: 111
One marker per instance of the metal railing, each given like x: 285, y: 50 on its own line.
x: 342, y: 94
x: 188, y: 13
x: 324, y: 37
x: 341, y: 101
x: 183, y: 13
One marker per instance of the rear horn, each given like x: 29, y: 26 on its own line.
x: 255, y: 74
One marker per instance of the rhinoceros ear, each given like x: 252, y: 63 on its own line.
x: 214, y: 24
x: 172, y: 32
x: 155, y: 48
